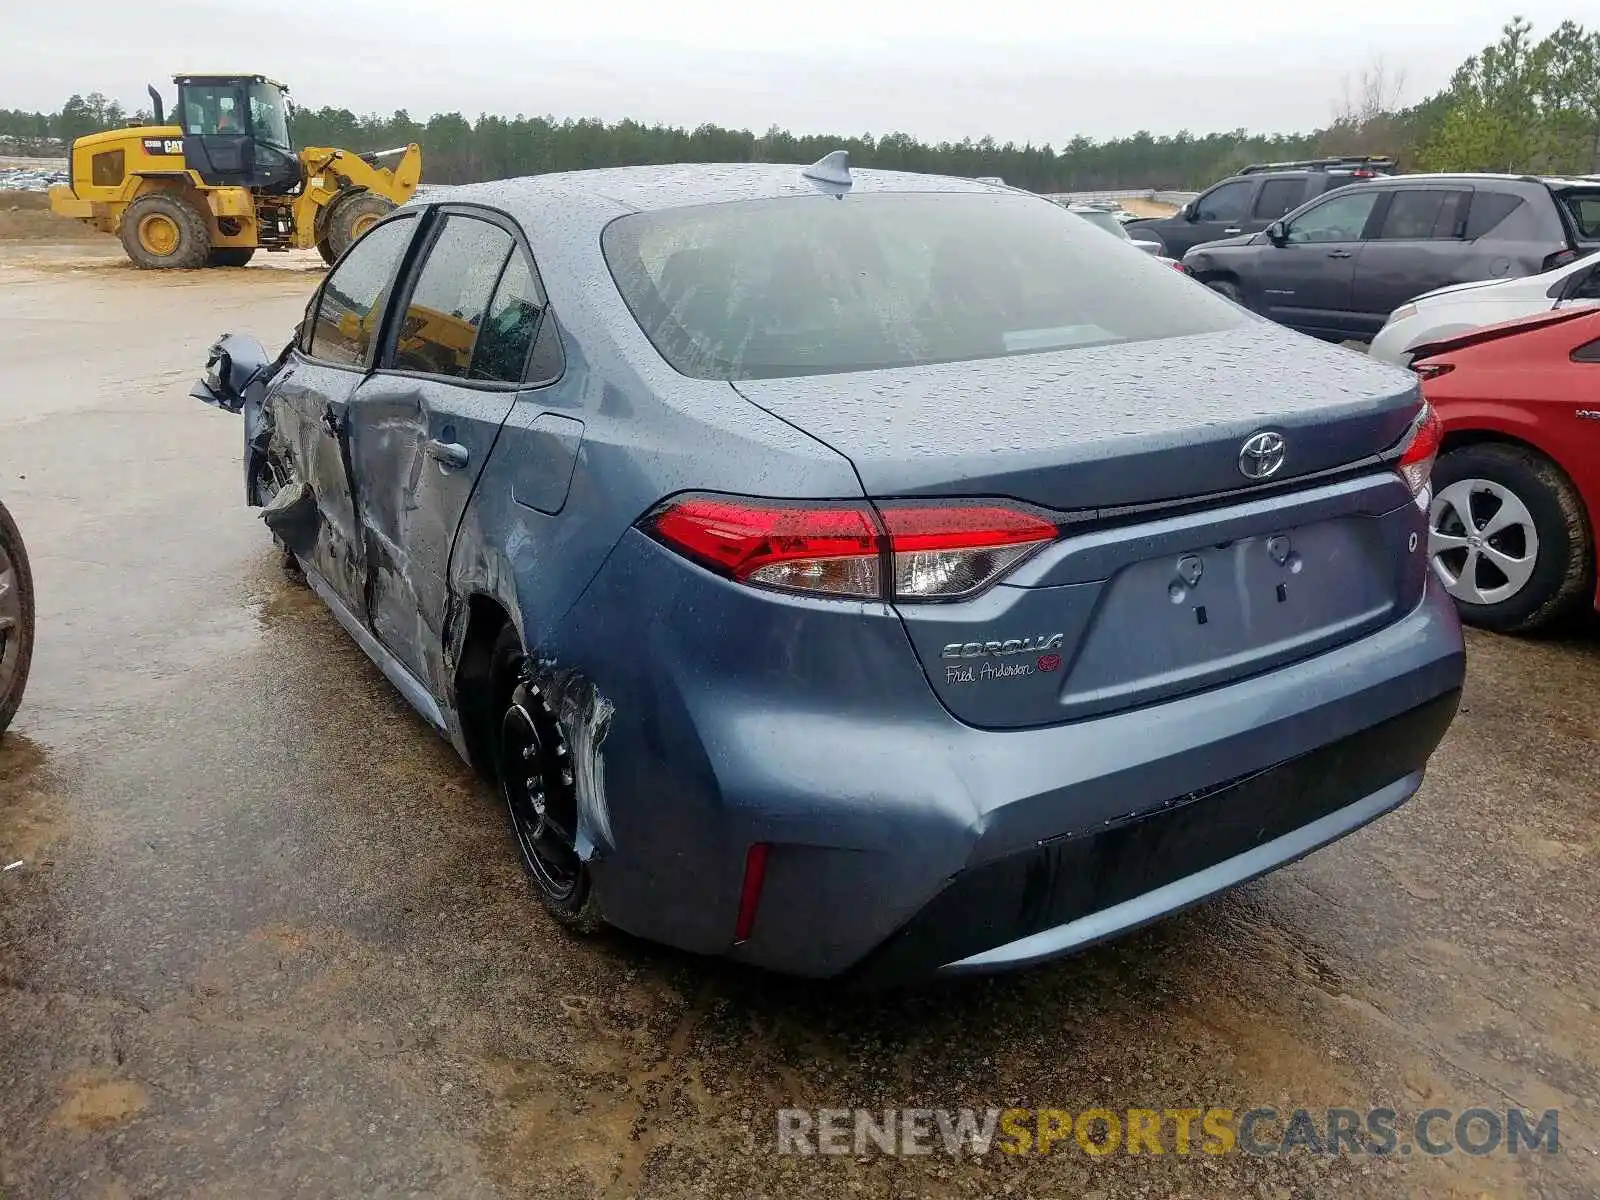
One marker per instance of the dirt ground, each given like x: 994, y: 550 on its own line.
x: 1148, y: 208
x: 26, y: 217
x: 268, y: 936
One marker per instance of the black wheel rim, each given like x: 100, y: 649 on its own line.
x: 539, y: 794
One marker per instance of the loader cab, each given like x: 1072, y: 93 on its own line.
x: 236, y: 131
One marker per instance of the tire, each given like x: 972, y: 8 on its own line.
x: 531, y: 760
x: 230, y: 256
x: 162, y: 230
x: 16, y: 618
x: 350, y: 218
x: 268, y: 476
x: 324, y: 249
x: 1537, y: 566
x: 1229, y: 289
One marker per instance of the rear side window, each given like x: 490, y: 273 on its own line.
x: 1584, y: 208
x: 350, y: 309
x: 1229, y: 202
x: 1422, y: 215
x: 807, y: 285
x: 1277, y: 197
x: 1491, y: 211
x: 512, y: 325
x: 1586, y: 286
x: 439, y: 331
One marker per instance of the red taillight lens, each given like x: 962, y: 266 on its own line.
x: 932, y: 551
x: 1421, y: 448
x: 809, y: 548
x: 944, y: 552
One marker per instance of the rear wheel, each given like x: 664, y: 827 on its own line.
x: 230, y: 256
x: 535, y: 774
x: 16, y: 618
x: 163, y: 230
x: 1508, y: 536
x: 352, y: 217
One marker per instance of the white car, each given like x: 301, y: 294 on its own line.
x: 1448, y: 311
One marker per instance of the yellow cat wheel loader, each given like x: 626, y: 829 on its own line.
x: 221, y: 180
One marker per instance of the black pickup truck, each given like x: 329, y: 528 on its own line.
x: 1253, y: 199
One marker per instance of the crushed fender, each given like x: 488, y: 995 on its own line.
x: 583, y: 717
x: 293, y: 516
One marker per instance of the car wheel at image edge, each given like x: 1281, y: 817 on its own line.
x: 1508, y: 536
x: 536, y: 777
x: 16, y: 618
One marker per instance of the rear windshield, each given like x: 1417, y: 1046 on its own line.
x: 1585, y: 210
x: 807, y: 285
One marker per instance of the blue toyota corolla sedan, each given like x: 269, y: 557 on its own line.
x: 857, y: 573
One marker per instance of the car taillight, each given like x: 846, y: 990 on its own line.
x: 1422, y: 446
x: 1559, y: 259
x: 806, y: 548
x: 940, y: 552
x: 896, y: 552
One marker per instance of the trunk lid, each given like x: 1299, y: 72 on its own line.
x: 1223, y: 579
x: 1104, y: 426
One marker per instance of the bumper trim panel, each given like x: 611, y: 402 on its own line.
x: 1062, y: 894
x: 1191, y: 890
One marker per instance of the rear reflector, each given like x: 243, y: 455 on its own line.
x: 755, y: 877
x: 1421, y: 448
x: 912, y: 551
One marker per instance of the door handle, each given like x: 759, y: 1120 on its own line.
x: 1338, y: 254
x: 448, y: 454
x: 1231, y: 232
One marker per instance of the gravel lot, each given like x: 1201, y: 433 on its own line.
x: 269, y: 936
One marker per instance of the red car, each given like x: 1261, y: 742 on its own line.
x: 1516, y: 490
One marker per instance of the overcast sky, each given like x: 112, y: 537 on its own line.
x: 1017, y: 69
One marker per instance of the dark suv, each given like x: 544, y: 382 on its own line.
x: 1338, y: 266
x: 1253, y: 199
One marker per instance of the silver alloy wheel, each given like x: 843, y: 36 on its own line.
x: 1481, y: 541
x: 11, y: 631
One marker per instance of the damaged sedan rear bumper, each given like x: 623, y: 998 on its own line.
x: 902, y: 842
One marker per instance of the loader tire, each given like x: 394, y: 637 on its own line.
x: 230, y: 256
x: 353, y: 216
x: 326, y: 251
x: 162, y: 230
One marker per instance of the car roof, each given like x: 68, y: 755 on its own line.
x: 644, y: 189
x: 1552, y: 181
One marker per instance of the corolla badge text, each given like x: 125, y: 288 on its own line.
x: 1033, y: 645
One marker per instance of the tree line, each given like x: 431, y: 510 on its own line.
x: 1520, y: 104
